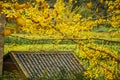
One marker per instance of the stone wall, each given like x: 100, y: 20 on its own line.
x: 2, y: 25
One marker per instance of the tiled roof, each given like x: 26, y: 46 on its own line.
x: 45, y: 62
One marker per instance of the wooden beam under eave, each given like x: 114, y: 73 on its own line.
x: 19, y: 65
x: 2, y: 25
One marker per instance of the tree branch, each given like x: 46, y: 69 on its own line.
x: 117, y: 59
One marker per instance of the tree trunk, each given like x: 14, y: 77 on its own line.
x: 2, y: 25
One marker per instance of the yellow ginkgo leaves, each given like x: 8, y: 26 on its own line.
x: 97, y: 10
x: 40, y: 1
x: 46, y: 16
x: 7, y: 32
x: 89, y: 5
x: 20, y: 21
x: 21, y: 6
x: 101, y: 1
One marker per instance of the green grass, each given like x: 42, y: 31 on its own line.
x: 39, y: 47
x: 47, y: 47
x: 18, y: 40
x: 60, y: 75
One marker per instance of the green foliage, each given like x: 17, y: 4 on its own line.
x: 62, y: 75
x: 32, y: 41
x: 12, y: 76
x: 85, y: 12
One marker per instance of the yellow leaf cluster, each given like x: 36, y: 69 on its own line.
x: 89, y: 5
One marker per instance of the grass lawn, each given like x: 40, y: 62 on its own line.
x: 39, y: 47
x: 47, y: 47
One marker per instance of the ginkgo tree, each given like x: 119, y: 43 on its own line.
x: 36, y: 17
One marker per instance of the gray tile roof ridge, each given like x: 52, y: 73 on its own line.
x: 42, y: 52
